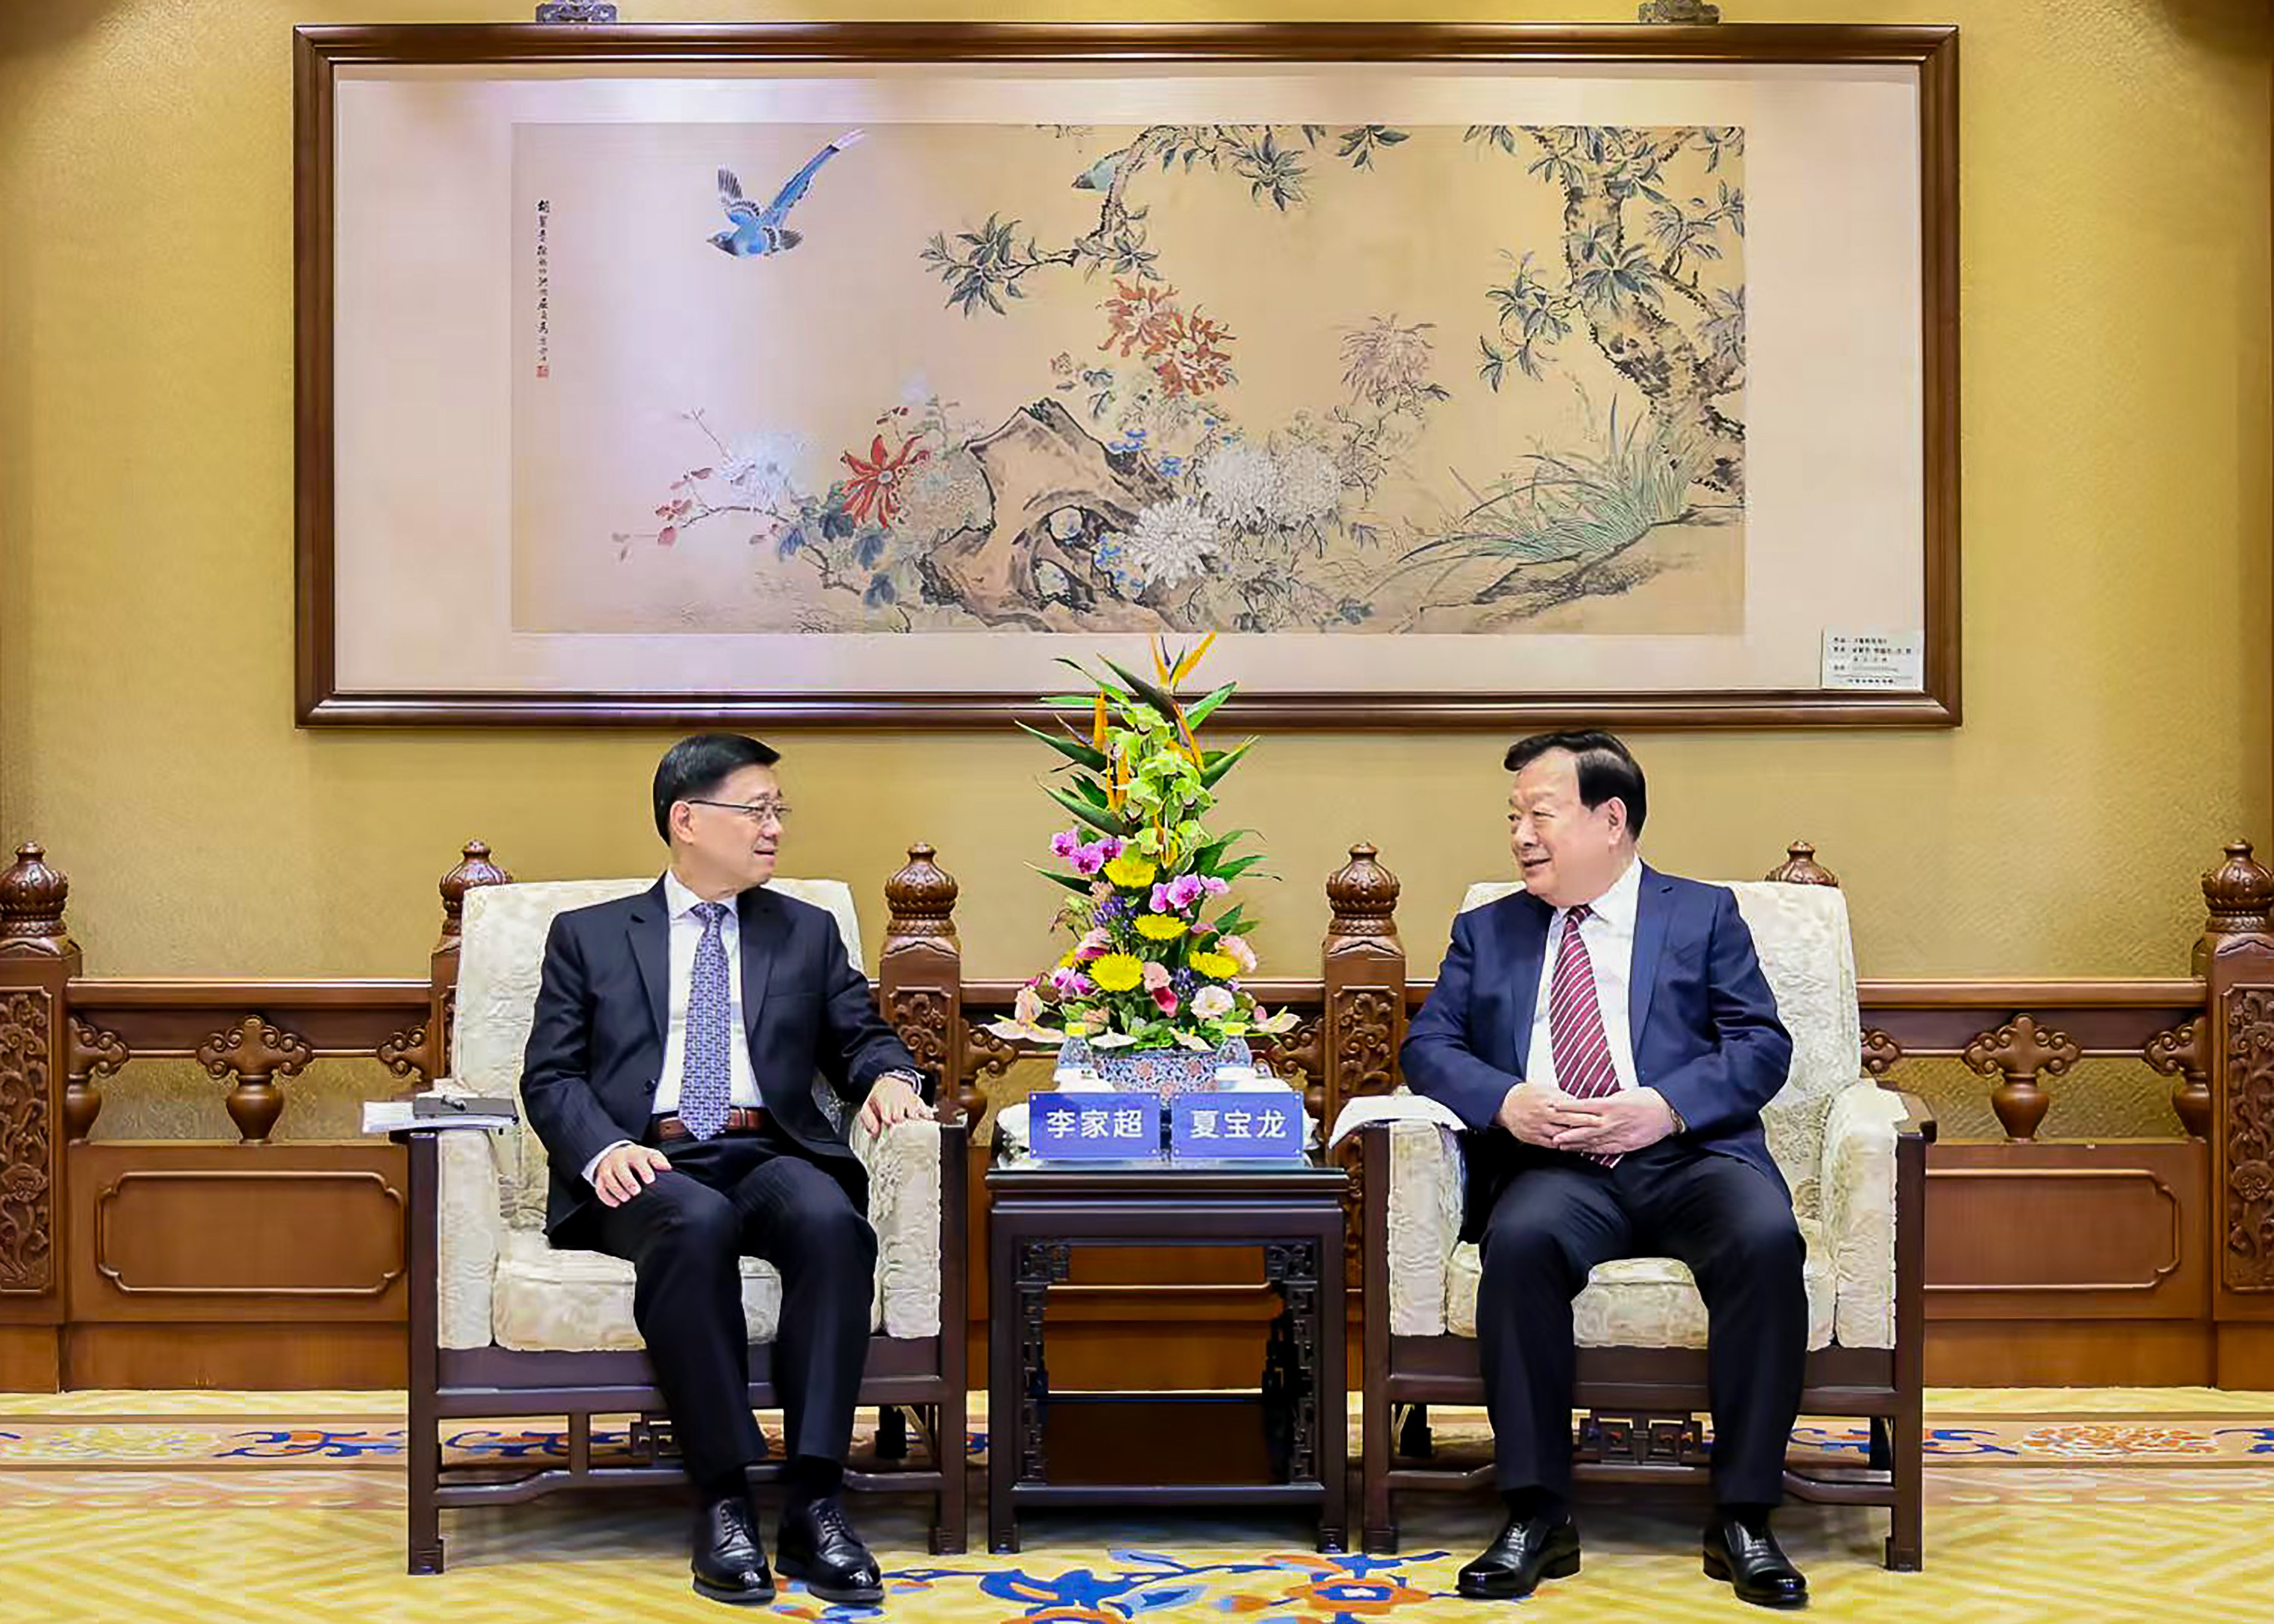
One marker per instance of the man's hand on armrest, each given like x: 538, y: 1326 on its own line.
x: 893, y: 1098
x: 619, y: 1172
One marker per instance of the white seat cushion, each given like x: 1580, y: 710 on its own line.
x: 1643, y: 1301
x: 544, y: 1300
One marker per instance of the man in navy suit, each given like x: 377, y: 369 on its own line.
x: 671, y: 1074
x: 1607, y: 1037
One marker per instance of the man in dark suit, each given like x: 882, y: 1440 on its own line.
x: 1607, y: 1037
x: 671, y: 1075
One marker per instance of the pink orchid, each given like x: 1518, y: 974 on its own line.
x: 1091, y: 858
x: 1185, y: 891
x: 1213, y: 885
x: 1161, y: 902
x: 1069, y: 983
x: 1064, y: 843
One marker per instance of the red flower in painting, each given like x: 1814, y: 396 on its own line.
x: 874, y: 490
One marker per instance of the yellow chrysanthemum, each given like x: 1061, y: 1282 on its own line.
x: 1072, y: 958
x: 1118, y: 972
x: 1131, y: 871
x: 1160, y: 926
x: 1216, y: 966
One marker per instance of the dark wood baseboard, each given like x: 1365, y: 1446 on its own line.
x: 242, y: 1354
x: 31, y: 1358
x: 2084, y: 1353
x: 2246, y: 1356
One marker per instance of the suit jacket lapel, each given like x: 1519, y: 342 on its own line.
x: 651, y: 935
x: 1527, y: 954
x: 759, y: 918
x: 1651, y: 908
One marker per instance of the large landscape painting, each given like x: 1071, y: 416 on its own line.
x: 1364, y: 378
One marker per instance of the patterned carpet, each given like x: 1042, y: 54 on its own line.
x: 288, y: 1506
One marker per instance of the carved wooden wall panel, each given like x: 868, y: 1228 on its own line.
x: 27, y: 1214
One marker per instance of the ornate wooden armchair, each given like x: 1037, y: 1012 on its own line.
x: 1855, y: 1155
x: 502, y: 1324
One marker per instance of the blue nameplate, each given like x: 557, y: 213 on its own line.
x: 1093, y: 1127
x: 1241, y: 1125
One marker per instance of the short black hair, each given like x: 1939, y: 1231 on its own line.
x: 1606, y: 768
x: 698, y: 765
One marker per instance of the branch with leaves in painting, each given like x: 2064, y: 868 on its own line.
x: 844, y: 534
x: 1386, y: 366
x: 985, y: 266
x: 1618, y: 284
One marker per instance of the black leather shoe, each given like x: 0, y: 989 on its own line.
x: 1754, y: 1564
x: 1527, y: 1550
x: 730, y: 1564
x: 819, y: 1546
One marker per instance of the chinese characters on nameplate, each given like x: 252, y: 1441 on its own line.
x: 1266, y: 1125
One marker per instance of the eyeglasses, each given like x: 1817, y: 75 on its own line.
x: 753, y: 812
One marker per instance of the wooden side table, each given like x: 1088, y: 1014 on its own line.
x: 1040, y: 1213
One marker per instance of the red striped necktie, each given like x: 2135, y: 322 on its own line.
x: 1576, y: 1037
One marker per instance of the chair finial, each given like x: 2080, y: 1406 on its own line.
x: 1800, y: 868
x: 921, y: 896
x: 474, y: 869
x: 32, y: 897
x: 1364, y: 895
x: 2241, y: 893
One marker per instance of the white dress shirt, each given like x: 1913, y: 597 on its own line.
x: 1608, y: 932
x: 686, y: 936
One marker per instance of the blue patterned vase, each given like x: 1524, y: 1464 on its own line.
x: 1162, y: 1072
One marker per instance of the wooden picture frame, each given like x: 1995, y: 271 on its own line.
x: 393, y: 625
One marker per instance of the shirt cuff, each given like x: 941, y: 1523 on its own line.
x: 592, y: 1166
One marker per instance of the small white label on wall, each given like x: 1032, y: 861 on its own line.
x: 1875, y: 660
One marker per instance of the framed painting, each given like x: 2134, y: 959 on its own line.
x: 1449, y: 375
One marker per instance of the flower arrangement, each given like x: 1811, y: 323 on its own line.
x: 1149, y: 969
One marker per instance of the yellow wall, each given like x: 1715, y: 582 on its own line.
x: 2116, y: 536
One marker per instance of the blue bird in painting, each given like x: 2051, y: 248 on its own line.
x: 1099, y: 176
x: 757, y: 231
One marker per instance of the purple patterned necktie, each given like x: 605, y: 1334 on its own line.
x: 704, y: 1088
x: 1576, y: 1037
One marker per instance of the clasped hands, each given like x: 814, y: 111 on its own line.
x: 625, y: 1171
x: 1540, y: 1114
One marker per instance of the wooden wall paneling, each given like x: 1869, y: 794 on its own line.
x: 213, y: 1233
x: 2109, y: 1231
